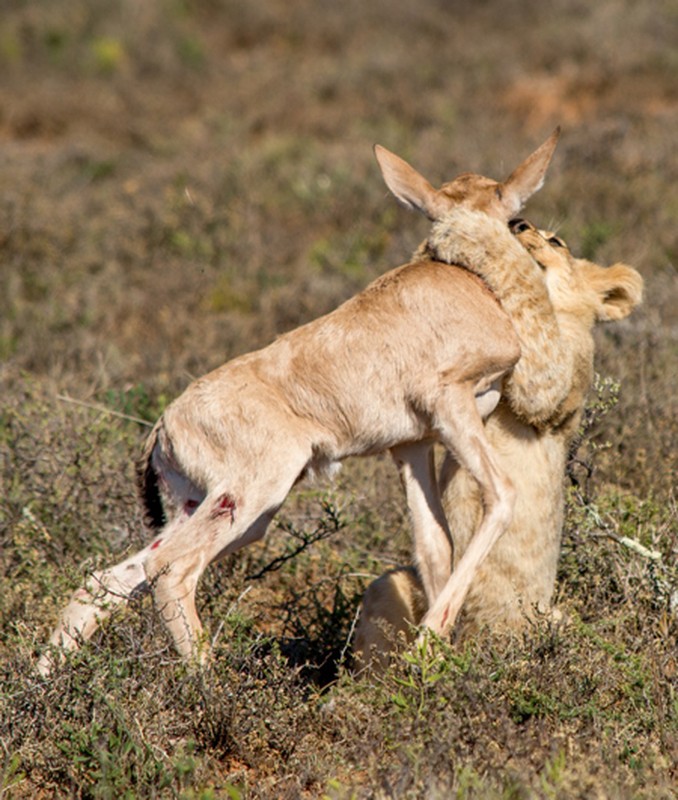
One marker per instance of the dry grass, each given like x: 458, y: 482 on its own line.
x: 182, y: 182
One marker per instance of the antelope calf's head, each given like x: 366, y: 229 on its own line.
x: 501, y: 200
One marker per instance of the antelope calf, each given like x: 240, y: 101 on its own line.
x: 518, y: 577
x: 415, y: 358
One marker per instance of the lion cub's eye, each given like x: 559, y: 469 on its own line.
x: 519, y: 226
x: 555, y: 241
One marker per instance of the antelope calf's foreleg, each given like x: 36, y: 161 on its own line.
x: 462, y: 432
x: 174, y: 581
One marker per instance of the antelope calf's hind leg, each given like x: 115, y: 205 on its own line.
x: 90, y: 605
x: 432, y: 540
x: 224, y: 522
x: 180, y: 555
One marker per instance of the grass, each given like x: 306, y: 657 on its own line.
x: 183, y: 182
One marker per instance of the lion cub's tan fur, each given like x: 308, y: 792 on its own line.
x: 517, y: 579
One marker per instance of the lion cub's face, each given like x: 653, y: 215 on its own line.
x: 576, y: 286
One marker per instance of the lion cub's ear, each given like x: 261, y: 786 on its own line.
x: 619, y: 289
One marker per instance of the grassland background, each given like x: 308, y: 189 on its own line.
x: 179, y: 183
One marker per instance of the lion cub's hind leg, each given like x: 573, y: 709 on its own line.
x: 393, y: 606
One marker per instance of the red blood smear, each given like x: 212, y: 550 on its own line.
x: 227, y: 503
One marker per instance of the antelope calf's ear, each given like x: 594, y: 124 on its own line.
x: 409, y: 187
x: 498, y: 200
x: 527, y: 178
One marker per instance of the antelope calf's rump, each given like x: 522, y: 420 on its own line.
x: 430, y: 341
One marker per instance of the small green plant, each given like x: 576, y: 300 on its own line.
x: 11, y: 50
x: 11, y: 774
x: 135, y: 402
x: 531, y: 702
x: 580, y: 469
x: 554, y: 775
x: 110, y: 757
x: 427, y: 663
x: 594, y: 235
x: 224, y: 296
x: 191, y: 52
x: 351, y: 257
x: 336, y: 790
x: 108, y: 54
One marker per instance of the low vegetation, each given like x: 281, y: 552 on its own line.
x: 182, y: 182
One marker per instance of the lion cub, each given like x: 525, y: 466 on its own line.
x: 517, y: 579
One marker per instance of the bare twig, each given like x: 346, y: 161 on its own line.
x: 605, y: 529
x: 104, y: 410
x: 349, y: 636
x: 330, y: 524
x: 631, y: 544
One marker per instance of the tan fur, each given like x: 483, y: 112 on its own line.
x: 518, y: 577
x: 415, y: 358
x: 392, y: 607
x: 539, y: 382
